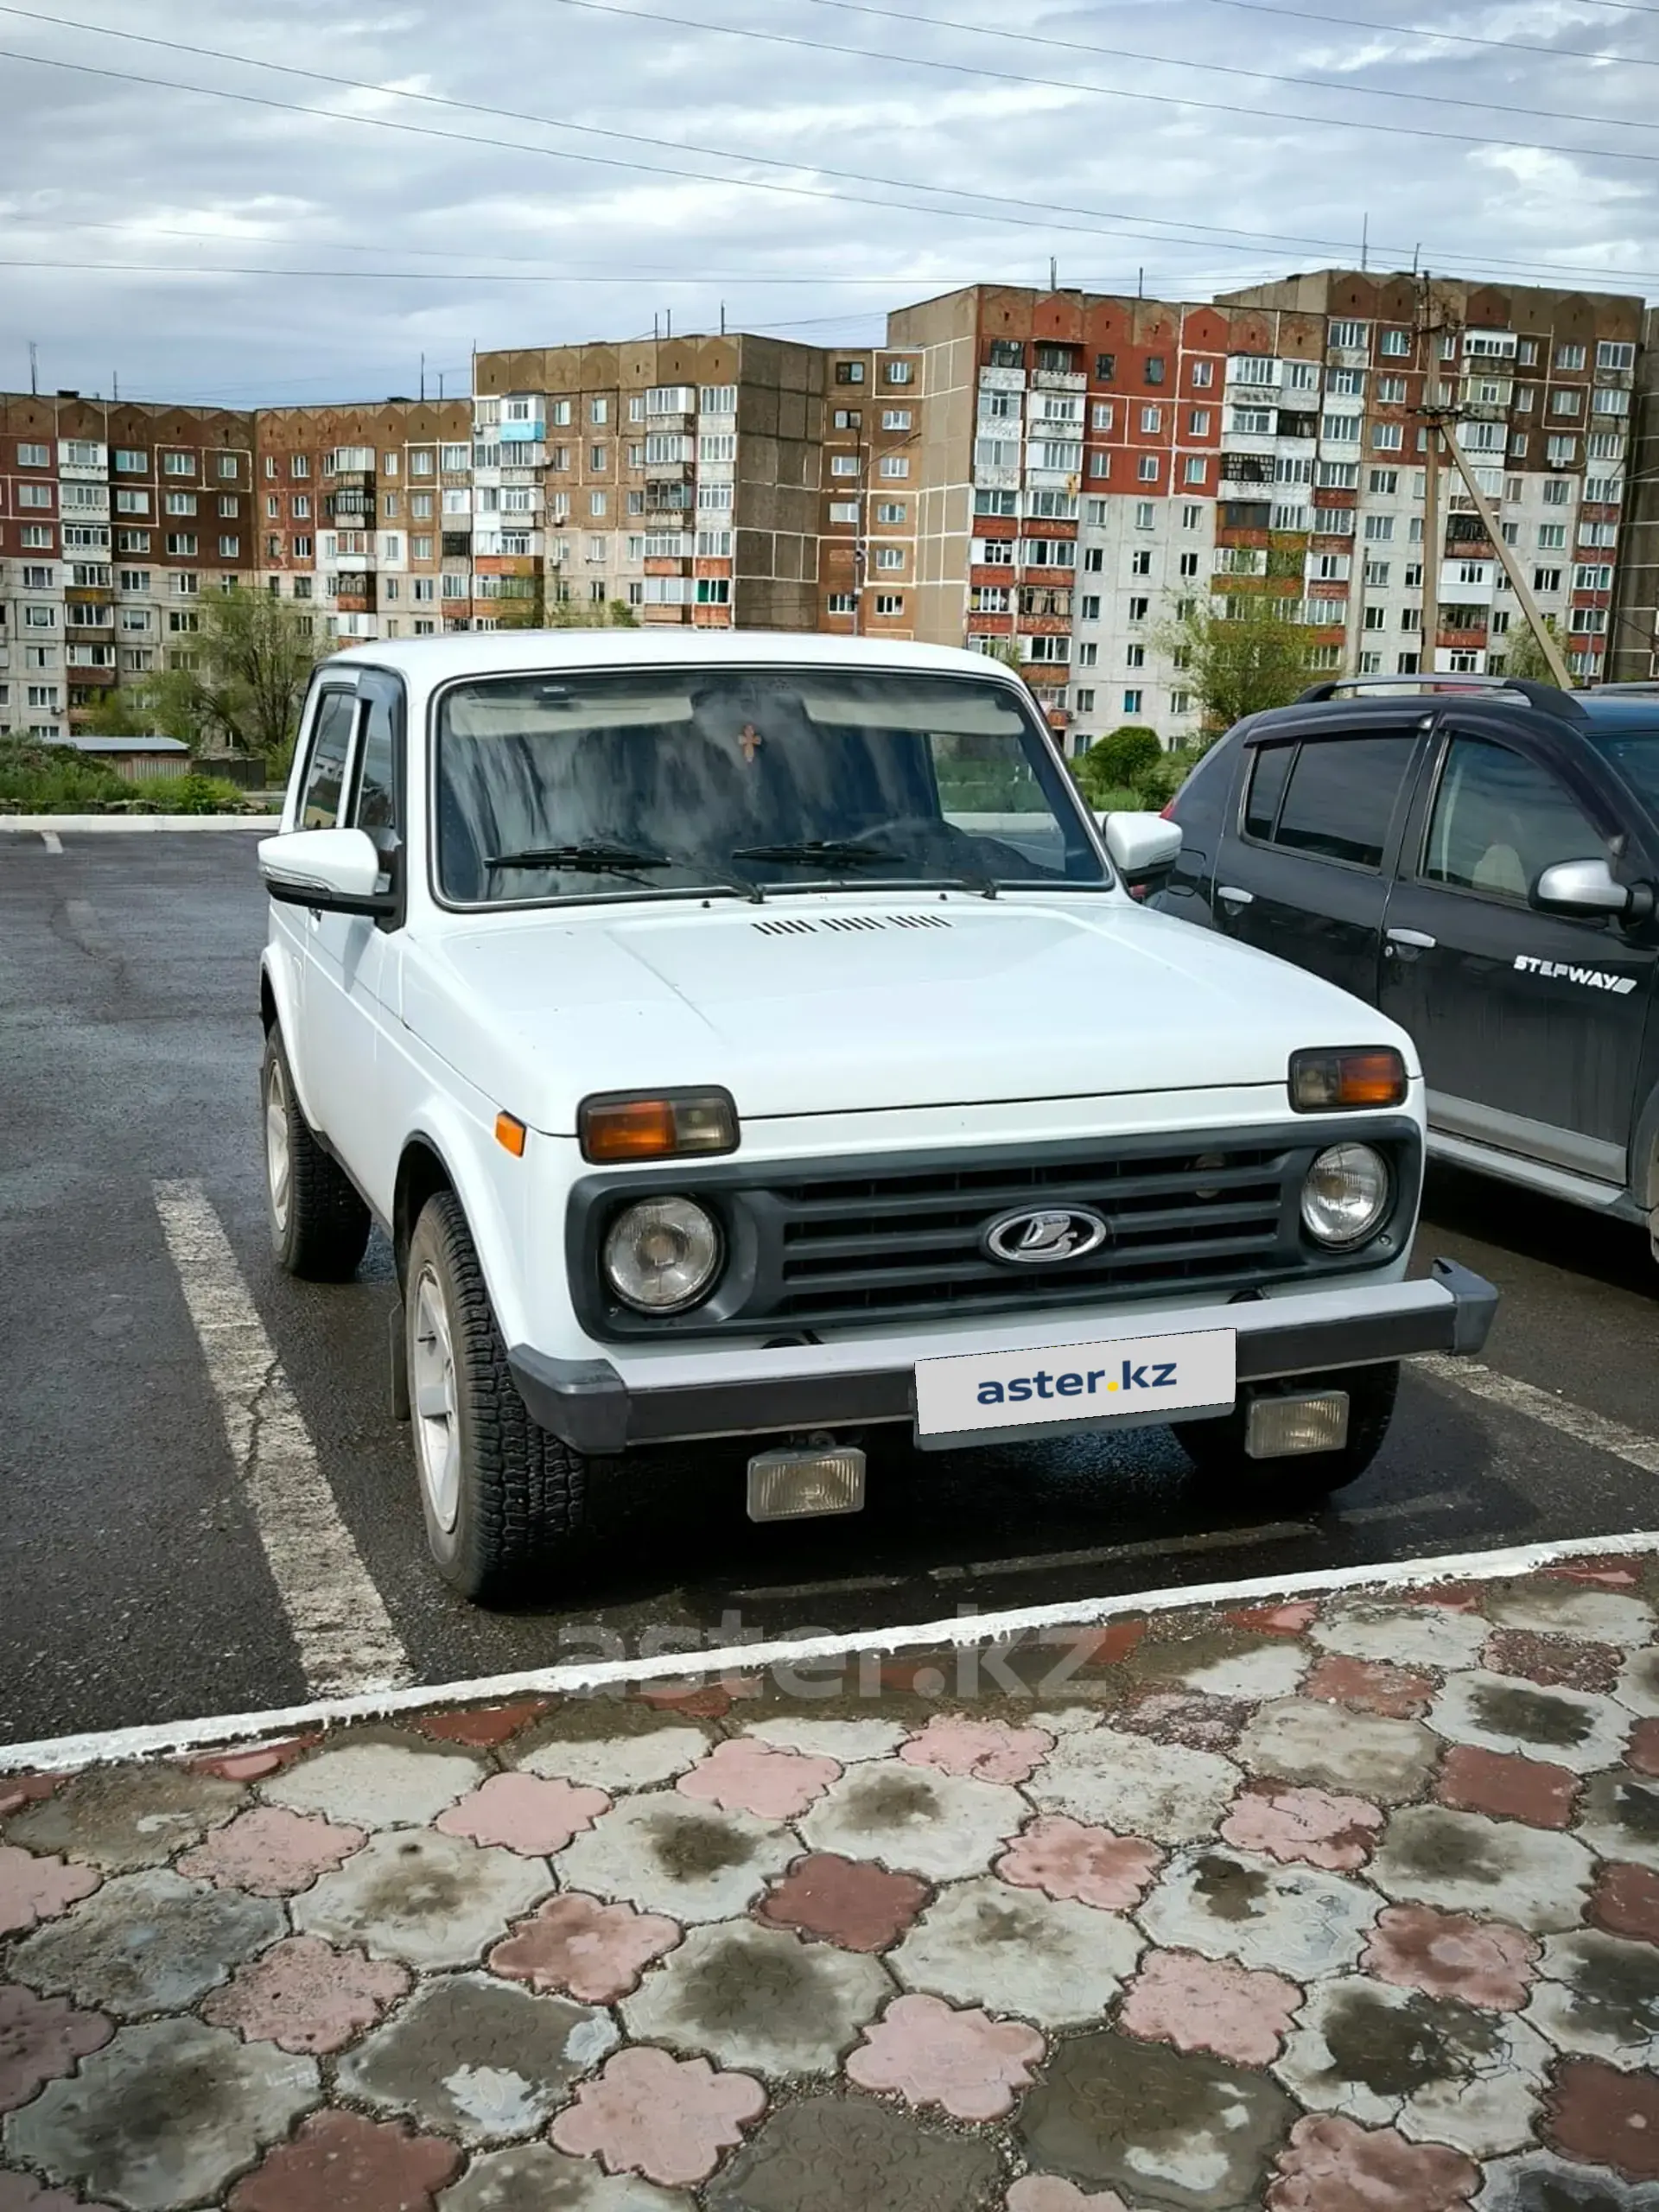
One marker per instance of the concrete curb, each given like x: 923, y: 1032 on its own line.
x: 38, y: 824
x: 64, y: 1753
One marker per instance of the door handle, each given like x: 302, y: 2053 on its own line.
x: 1406, y: 944
x: 1230, y: 895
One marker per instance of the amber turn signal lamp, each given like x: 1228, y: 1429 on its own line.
x: 1328, y: 1082
x: 618, y: 1131
x: 509, y: 1134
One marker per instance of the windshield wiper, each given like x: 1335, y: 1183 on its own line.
x: 814, y: 852
x: 594, y: 859
x: 599, y: 859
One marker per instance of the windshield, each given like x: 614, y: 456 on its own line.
x: 1634, y: 753
x: 636, y: 784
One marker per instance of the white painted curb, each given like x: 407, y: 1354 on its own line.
x: 60, y: 1754
x: 38, y: 824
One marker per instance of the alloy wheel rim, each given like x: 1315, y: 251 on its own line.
x: 432, y: 1403
x: 279, y: 1165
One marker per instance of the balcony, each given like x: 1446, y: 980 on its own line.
x: 1002, y: 379
x: 352, y: 480
x: 1058, y: 380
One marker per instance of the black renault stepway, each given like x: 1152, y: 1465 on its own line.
x: 1479, y: 858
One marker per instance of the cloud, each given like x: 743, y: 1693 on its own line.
x: 498, y: 234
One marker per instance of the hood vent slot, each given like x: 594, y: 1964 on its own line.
x: 842, y: 924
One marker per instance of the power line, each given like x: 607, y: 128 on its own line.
x: 1218, y: 68
x: 1112, y: 92
x: 1220, y: 234
x: 1421, y: 31
x: 715, y: 153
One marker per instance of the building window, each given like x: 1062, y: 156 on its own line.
x: 1100, y: 467
x: 130, y: 463
x: 1152, y: 371
x: 178, y: 464
x: 1349, y: 336
x: 1192, y: 517
x: 34, y: 495
x: 901, y: 372
x: 1146, y: 468
x: 1105, y: 367
x: 1393, y: 342
x: 843, y: 510
x: 891, y: 510
x: 889, y: 556
x: 889, y: 602
x: 182, y: 542
x: 894, y: 465
x: 1569, y: 357
x: 849, y: 372
x: 1562, y: 452
x: 1388, y: 437
x: 1151, y: 421
x: 1193, y: 470
x: 299, y: 464
x: 229, y: 547
x: 1145, y: 514
x: 1132, y: 702
x: 895, y: 418
x: 842, y: 602
x: 844, y: 464
x: 1204, y: 375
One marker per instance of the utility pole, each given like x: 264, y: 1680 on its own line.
x: 1431, y: 613
x: 1547, y: 644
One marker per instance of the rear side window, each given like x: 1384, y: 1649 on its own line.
x: 1333, y: 800
x: 325, y: 775
x: 1500, y: 821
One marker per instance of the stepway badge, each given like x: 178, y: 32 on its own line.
x: 1114, y: 1382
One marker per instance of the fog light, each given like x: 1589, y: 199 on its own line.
x: 1279, y: 1429
x: 793, y: 1486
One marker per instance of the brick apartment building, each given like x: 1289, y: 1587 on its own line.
x: 1059, y: 469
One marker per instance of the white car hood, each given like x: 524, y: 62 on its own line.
x: 833, y: 1004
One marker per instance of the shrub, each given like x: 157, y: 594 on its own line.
x: 191, y: 794
x: 1126, y: 754
x: 40, y: 778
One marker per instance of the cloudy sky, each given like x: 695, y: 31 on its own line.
x: 433, y: 177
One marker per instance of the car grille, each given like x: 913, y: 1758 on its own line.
x: 1207, y: 1217
x: 911, y: 1243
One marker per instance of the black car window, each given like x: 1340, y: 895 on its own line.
x: 1634, y: 753
x: 325, y: 774
x: 1499, y: 821
x: 1269, y: 767
x: 376, y: 806
x: 1341, y: 797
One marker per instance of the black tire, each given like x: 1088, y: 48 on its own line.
x: 1216, y: 1447
x: 318, y: 1225
x: 519, y: 1494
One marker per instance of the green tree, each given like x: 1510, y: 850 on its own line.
x: 1522, y: 654
x: 252, y: 662
x: 1239, y: 653
x: 1123, y: 756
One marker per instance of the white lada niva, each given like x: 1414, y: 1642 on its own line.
x: 754, y: 1037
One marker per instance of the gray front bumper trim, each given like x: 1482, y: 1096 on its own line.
x: 588, y: 1405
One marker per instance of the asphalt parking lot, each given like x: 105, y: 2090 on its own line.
x: 136, y: 1580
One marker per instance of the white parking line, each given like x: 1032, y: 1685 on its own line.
x: 347, y: 1645
x: 1577, y: 1421
x: 50, y: 840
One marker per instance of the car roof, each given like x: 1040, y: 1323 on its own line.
x: 426, y: 662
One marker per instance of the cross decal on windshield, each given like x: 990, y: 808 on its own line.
x: 751, y: 740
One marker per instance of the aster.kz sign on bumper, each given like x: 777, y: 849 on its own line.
x: 1114, y: 1382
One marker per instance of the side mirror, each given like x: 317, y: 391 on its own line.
x: 1588, y: 887
x: 336, y: 871
x: 1144, y: 846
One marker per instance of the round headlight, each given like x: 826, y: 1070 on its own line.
x: 661, y: 1255
x: 1346, y: 1194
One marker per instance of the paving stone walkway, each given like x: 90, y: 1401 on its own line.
x: 1347, y: 1905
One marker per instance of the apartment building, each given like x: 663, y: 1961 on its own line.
x: 1094, y: 464
x: 1059, y: 472
x: 115, y: 518
x: 366, y: 514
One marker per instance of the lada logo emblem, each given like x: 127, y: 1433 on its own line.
x: 1041, y: 1239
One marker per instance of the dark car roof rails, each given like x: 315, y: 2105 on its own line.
x: 1545, y: 698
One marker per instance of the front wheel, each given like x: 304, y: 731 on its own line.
x: 502, y: 1498
x: 1216, y: 1447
